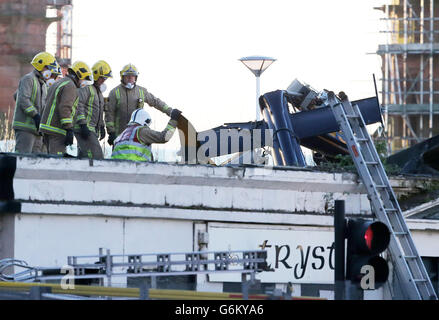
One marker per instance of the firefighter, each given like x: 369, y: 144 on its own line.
x: 30, y: 100
x: 134, y: 143
x: 54, y: 76
x: 89, y: 124
x: 126, y: 98
x: 62, y: 100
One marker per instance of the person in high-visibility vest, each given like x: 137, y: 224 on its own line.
x: 134, y: 143
x: 89, y: 125
x: 30, y: 100
x: 62, y: 100
x: 125, y: 98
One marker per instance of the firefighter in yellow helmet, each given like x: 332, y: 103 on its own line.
x: 126, y: 98
x: 30, y: 100
x: 62, y: 100
x: 89, y: 122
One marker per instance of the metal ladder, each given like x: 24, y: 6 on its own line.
x: 410, y: 269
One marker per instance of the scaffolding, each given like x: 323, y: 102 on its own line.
x: 410, y: 84
x: 62, y: 15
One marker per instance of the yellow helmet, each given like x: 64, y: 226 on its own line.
x: 129, y: 70
x: 82, y: 70
x: 44, y: 59
x: 101, y: 69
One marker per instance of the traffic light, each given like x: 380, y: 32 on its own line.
x: 366, y: 240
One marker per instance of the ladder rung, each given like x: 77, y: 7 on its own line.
x: 362, y: 140
x: 420, y: 280
x: 380, y: 186
x: 352, y: 116
x: 410, y: 257
x: 391, y: 209
x: 372, y: 163
x: 400, y: 233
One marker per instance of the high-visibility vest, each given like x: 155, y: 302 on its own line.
x: 128, y: 147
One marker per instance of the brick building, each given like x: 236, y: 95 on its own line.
x: 23, y: 28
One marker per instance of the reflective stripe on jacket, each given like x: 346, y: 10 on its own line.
x: 62, y: 100
x: 128, y: 147
x: 90, y: 108
x: 122, y: 102
x: 30, y: 100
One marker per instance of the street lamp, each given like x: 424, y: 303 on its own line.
x: 257, y: 65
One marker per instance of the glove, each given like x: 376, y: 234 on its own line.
x: 69, y: 137
x: 111, y: 138
x: 102, y: 133
x: 175, y: 114
x: 85, y: 132
x: 37, y: 120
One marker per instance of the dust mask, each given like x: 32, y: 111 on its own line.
x: 46, y: 74
x: 50, y: 82
x: 84, y: 83
x: 129, y: 85
x: 103, y: 87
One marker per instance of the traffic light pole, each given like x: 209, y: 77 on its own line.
x: 344, y: 288
x: 340, y: 235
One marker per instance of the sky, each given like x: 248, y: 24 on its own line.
x: 187, y: 51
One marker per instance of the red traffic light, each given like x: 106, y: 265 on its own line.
x: 369, y: 236
x: 377, y: 237
x: 366, y: 240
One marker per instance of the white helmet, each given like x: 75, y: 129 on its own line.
x: 141, y: 117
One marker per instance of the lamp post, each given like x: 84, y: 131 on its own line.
x: 257, y: 65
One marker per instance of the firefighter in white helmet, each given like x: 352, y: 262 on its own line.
x: 125, y: 98
x: 134, y: 143
x: 30, y: 100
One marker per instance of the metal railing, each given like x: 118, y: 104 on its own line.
x: 41, y: 291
